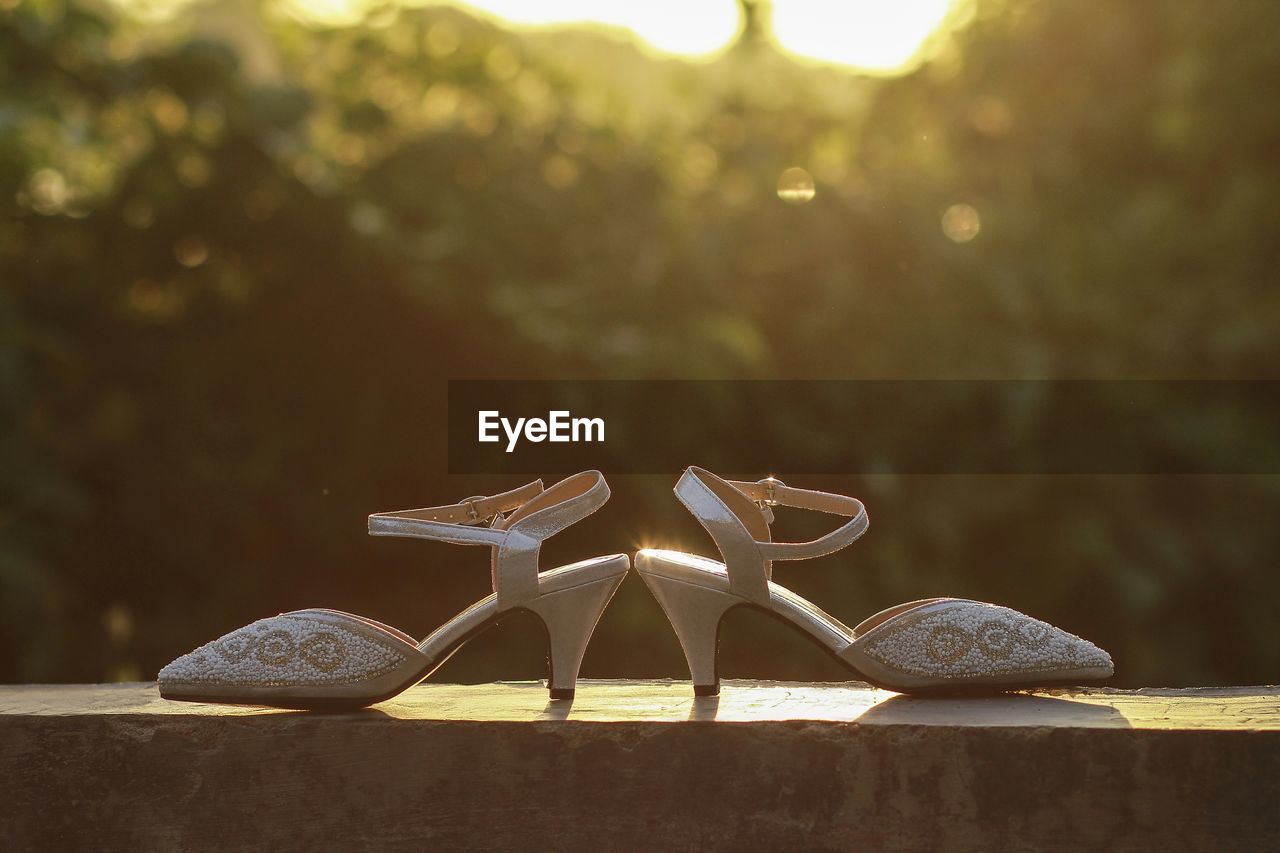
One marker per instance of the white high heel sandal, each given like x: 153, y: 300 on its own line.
x: 935, y: 645
x: 329, y: 659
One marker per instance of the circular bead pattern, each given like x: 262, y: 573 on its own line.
x: 995, y: 639
x: 324, y: 651
x: 946, y: 642
x: 958, y: 639
x: 276, y: 648
x: 1033, y: 634
x: 290, y: 650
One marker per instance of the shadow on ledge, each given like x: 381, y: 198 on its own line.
x: 1009, y: 709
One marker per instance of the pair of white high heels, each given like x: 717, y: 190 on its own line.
x: 324, y: 658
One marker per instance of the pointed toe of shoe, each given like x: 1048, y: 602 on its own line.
x: 182, y: 669
x: 192, y: 674
x: 961, y: 644
x: 1094, y: 660
x: 303, y: 656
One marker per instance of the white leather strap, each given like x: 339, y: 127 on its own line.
x: 770, y: 492
x: 515, y: 564
x: 522, y: 518
x: 455, y: 522
x: 737, y: 514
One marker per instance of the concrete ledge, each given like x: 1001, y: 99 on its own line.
x: 642, y: 765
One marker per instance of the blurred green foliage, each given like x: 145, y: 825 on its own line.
x: 239, y: 257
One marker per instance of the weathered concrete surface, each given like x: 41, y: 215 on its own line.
x: 643, y: 766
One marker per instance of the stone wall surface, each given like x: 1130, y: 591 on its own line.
x: 634, y: 765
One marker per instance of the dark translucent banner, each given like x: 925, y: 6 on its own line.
x: 866, y: 427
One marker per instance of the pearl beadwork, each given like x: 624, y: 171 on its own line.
x: 302, y: 648
x: 970, y: 639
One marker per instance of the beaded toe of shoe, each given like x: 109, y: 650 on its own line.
x: 299, y: 649
x: 958, y: 643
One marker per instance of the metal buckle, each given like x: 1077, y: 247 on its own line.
x: 770, y: 491
x: 473, y: 514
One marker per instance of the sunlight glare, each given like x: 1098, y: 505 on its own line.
x: 683, y: 27
x: 871, y: 35
x: 881, y: 36
x: 878, y: 36
x: 329, y: 12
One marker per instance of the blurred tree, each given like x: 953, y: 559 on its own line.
x: 238, y: 261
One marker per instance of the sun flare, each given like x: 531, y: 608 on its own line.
x: 677, y: 27
x: 870, y: 35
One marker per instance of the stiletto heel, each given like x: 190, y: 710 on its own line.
x: 570, y: 617
x: 935, y: 645
x: 695, y: 613
x: 323, y: 658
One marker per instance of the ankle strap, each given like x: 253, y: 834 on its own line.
x: 519, y: 521
x: 737, y: 514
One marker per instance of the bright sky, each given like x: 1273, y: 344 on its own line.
x: 873, y: 35
x: 687, y: 27
x: 878, y: 35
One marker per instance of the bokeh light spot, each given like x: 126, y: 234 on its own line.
x: 138, y: 213
x: 440, y: 103
x: 368, y: 219
x: 442, y: 39
x: 795, y: 186
x: 991, y: 116
x: 961, y: 223
x: 191, y: 252
x: 118, y: 622
x: 193, y: 170
x: 47, y: 191
x: 502, y: 64
x: 560, y: 172
x: 168, y: 110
